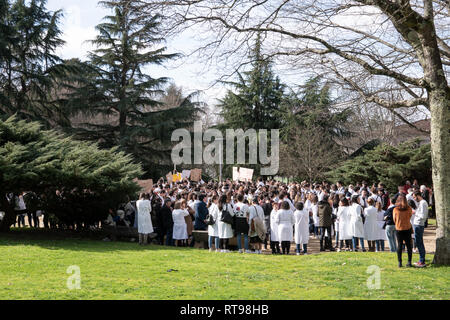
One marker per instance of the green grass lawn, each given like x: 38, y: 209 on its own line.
x: 35, y: 268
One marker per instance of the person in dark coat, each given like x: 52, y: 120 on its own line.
x: 166, y: 222
x: 201, y: 211
x: 325, y: 221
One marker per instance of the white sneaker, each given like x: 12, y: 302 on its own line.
x: 298, y: 253
x: 210, y: 249
x: 217, y: 250
x: 241, y: 251
x: 248, y: 251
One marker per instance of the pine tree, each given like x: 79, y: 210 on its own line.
x: 258, y: 94
x: 389, y: 164
x: 29, y: 36
x: 120, y: 99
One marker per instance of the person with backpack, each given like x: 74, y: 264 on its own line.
x: 241, y: 223
x: 225, y: 222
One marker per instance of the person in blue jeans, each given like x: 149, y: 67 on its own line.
x: 421, y: 215
x: 242, y: 226
x: 391, y: 233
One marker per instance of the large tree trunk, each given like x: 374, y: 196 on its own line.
x: 440, y: 154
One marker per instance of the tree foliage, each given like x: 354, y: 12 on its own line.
x: 389, y: 164
x: 29, y: 66
x: 119, y: 96
x: 45, y: 162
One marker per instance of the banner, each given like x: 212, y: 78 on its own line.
x: 196, y: 175
x: 186, y: 174
x: 235, y: 173
x: 176, y: 177
x: 245, y: 174
x: 146, y: 185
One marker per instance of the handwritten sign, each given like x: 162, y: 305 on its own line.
x: 196, y: 174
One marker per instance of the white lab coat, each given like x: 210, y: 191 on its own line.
x: 380, y: 224
x: 315, y: 212
x: 144, y: 208
x: 370, y: 225
x: 345, y: 227
x: 301, y: 233
x: 225, y: 230
x: 274, y: 226
x: 356, y: 223
x: 179, y: 224
x: 213, y: 230
x: 285, y: 220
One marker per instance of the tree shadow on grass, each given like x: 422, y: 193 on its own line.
x: 76, y: 241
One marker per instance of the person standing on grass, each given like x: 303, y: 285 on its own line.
x: 345, y: 227
x: 357, y: 225
x: 285, y: 221
x: 145, y: 226
x: 179, y: 233
x: 167, y: 221
x: 324, y: 213
x: 389, y: 225
x: 225, y: 229
x: 381, y: 235
x: 213, y: 230
x: 255, y: 218
x: 242, y: 227
x: 274, y: 237
x: 421, y: 215
x: 301, y: 228
x: 402, y: 219
x: 370, y: 224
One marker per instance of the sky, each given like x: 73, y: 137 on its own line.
x: 78, y: 26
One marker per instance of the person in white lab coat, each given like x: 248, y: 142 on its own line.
x: 380, y: 231
x: 357, y: 225
x: 145, y: 226
x: 225, y: 229
x: 315, y: 214
x: 179, y: 233
x: 370, y: 224
x: 274, y: 238
x: 285, y: 220
x: 213, y: 229
x: 345, y: 227
x: 301, y: 228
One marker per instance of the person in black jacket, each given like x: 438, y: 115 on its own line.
x: 165, y: 220
x: 389, y: 226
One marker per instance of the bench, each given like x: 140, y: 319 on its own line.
x: 115, y: 232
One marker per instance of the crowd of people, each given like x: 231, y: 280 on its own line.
x: 275, y: 214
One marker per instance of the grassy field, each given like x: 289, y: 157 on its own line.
x: 37, y: 269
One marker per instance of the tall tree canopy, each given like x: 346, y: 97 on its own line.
x: 29, y: 66
x: 256, y: 98
x: 119, y: 99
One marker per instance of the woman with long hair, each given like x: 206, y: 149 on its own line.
x: 402, y: 219
x: 381, y: 234
x: 225, y: 229
x: 343, y: 217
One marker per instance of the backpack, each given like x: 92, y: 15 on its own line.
x: 210, y: 220
x: 226, y: 216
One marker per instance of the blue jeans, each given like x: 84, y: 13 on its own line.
x: 216, y: 242
x: 380, y: 245
x: 355, y: 243
x: 169, y: 237
x: 238, y: 238
x: 391, y: 234
x: 418, y: 231
x: 305, y: 248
